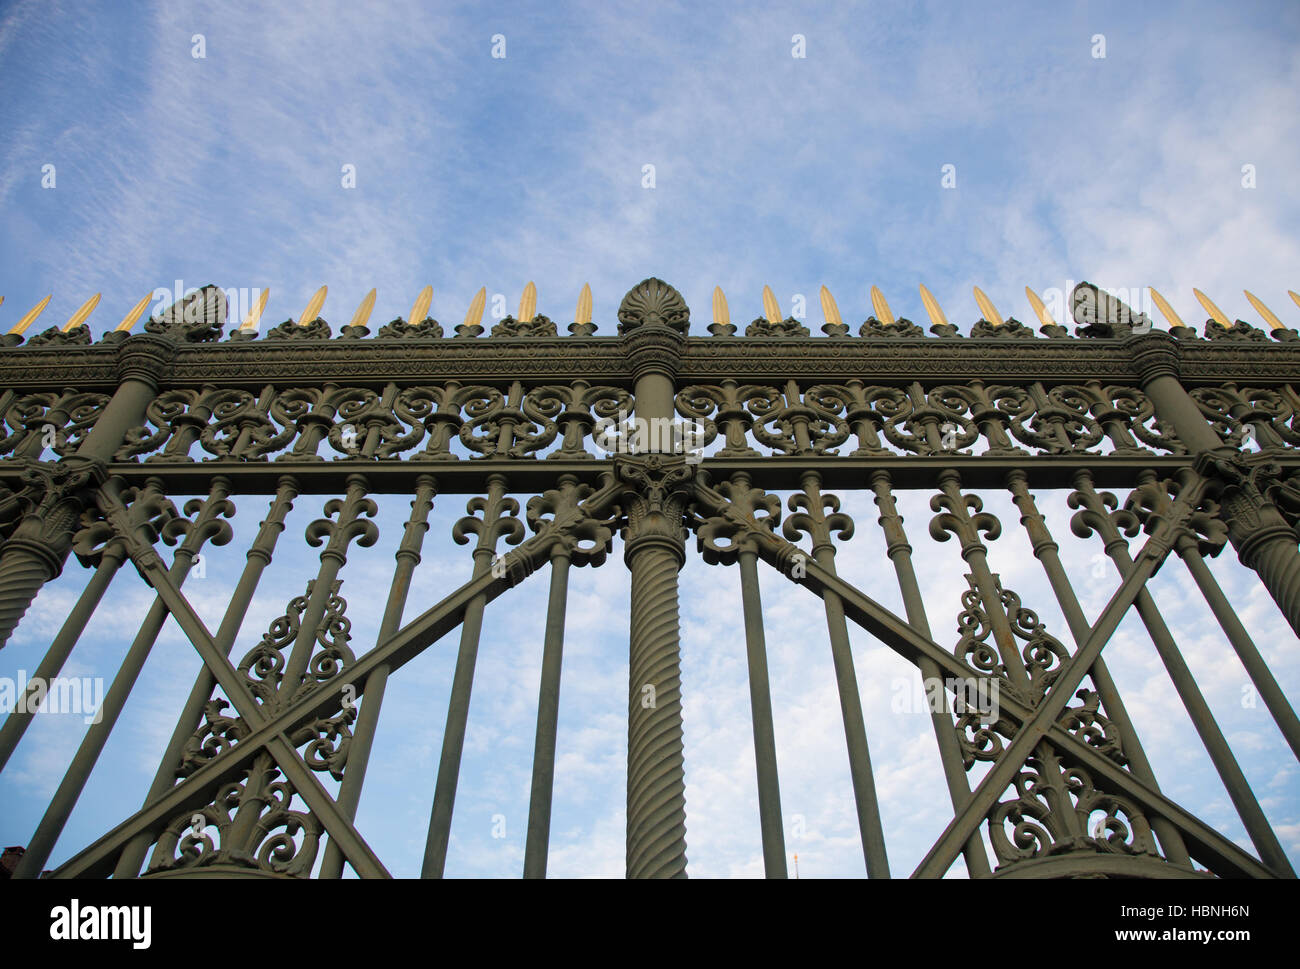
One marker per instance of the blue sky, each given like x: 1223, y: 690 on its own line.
x: 769, y: 170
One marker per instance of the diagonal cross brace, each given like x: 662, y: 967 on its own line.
x: 404, y: 645
x: 1211, y: 846
x: 147, y: 561
x: 1033, y: 730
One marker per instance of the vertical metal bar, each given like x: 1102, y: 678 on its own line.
x: 954, y: 771
x: 1045, y: 550
x: 259, y: 557
x: 453, y: 737
x: 548, y: 715
x: 363, y: 737
x: 20, y: 717
x: 976, y: 556
x: 1274, y: 699
x: 252, y: 802
x: 1030, y: 734
x: 331, y: 561
x: 760, y: 699
x: 846, y: 681
x: 1216, y: 745
x: 74, y: 780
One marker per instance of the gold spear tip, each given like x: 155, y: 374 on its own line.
x: 721, y: 315
x: 1264, y: 311
x: 1164, y: 307
x: 83, y: 311
x: 883, y: 313
x: 255, y: 314
x: 1216, y: 314
x: 362, y: 315
x: 932, y: 308
x: 313, y: 308
x: 582, y: 315
x: 1294, y: 295
x: 829, y: 308
x: 771, y: 309
x: 474, y: 316
x: 1040, y: 310
x: 987, y: 308
x: 421, y: 308
x: 30, y: 316
x: 528, y: 303
x: 136, y: 312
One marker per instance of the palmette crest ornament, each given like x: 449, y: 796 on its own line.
x: 198, y: 318
x: 652, y: 302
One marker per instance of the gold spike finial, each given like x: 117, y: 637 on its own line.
x: 771, y: 309
x: 528, y: 303
x: 932, y: 308
x: 313, y: 308
x: 83, y: 311
x: 255, y: 314
x: 1294, y: 295
x: 829, y: 310
x: 1040, y: 310
x: 367, y: 306
x: 1216, y: 314
x: 1163, y: 305
x: 421, y: 308
x: 1264, y: 311
x: 987, y: 308
x: 881, y: 308
x: 137, y: 311
x: 582, y: 315
x: 721, y: 315
x: 30, y: 316
x: 474, y: 316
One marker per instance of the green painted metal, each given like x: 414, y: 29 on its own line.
x: 1162, y: 415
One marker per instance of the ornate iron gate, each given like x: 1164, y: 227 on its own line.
x: 607, y: 433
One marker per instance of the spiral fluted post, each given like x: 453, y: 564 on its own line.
x: 656, y: 772
x: 653, y: 321
x: 56, y: 494
x: 1263, y: 539
x: 25, y: 567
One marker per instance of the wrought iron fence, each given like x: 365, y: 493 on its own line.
x: 650, y: 436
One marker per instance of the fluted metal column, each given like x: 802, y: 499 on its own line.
x: 653, y: 320
x: 1257, y: 530
x: 656, y: 772
x: 35, y: 552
